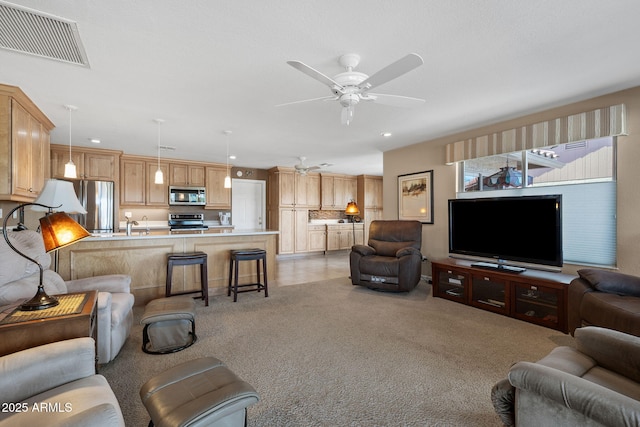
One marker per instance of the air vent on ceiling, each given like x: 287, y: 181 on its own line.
x: 37, y: 33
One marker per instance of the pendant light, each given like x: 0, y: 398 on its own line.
x: 159, y: 176
x: 70, y: 167
x: 227, y: 179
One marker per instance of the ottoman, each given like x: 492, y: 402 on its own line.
x: 169, y: 325
x: 201, y: 392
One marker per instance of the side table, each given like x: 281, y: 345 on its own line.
x: 44, y: 327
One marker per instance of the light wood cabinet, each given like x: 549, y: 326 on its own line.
x: 96, y: 164
x: 157, y: 194
x: 337, y: 191
x: 290, y: 198
x: 341, y: 237
x: 293, y: 230
x: 133, y: 179
x: 218, y: 197
x: 307, y: 190
x: 289, y: 188
x: 24, y: 146
x: 189, y: 175
x: 317, y: 238
x: 369, y: 200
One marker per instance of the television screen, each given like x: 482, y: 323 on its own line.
x: 524, y: 229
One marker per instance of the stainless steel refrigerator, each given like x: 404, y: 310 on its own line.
x: 97, y: 197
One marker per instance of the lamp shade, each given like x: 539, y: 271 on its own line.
x: 61, y: 196
x: 159, y: 179
x: 352, y: 209
x: 59, y: 230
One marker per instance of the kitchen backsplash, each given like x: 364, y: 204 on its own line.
x: 327, y: 215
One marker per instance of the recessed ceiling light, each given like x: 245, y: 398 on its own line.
x: 386, y: 134
x: 232, y: 157
x: 95, y: 140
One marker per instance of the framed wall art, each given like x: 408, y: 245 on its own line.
x: 415, y: 197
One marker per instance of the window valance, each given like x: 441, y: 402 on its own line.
x: 608, y: 121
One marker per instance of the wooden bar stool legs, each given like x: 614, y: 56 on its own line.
x: 194, y: 258
x: 247, y: 255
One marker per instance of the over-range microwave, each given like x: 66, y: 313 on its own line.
x: 193, y: 196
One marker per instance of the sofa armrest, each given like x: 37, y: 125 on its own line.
x: 100, y: 415
x: 613, y: 350
x: 29, y: 372
x: 601, y: 404
x: 578, y: 288
x: 408, y: 251
x: 363, y: 250
x: 107, y: 283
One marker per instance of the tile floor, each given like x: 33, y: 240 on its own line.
x: 293, y: 270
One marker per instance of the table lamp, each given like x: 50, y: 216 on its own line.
x: 58, y: 230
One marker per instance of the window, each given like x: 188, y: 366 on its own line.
x: 583, y: 172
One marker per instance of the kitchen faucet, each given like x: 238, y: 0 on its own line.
x: 130, y: 224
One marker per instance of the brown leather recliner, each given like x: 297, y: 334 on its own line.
x: 608, y: 299
x: 392, y: 259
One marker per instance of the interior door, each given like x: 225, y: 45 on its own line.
x: 248, y: 204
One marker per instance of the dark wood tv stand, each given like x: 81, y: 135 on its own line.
x: 534, y: 296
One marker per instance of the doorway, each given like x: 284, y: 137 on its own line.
x: 248, y: 204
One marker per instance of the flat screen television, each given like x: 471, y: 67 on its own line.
x: 524, y: 229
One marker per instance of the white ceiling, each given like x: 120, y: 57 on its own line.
x: 207, y: 66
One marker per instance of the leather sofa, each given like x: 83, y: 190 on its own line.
x: 19, y: 280
x: 56, y: 385
x: 604, y: 298
x: 392, y: 260
x: 595, y: 384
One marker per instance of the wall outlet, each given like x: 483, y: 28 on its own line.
x: 15, y: 215
x: 127, y: 214
x: 0, y: 212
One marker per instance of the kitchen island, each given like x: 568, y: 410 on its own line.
x: 144, y: 257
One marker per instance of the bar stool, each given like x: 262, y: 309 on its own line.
x: 193, y: 258
x: 247, y: 255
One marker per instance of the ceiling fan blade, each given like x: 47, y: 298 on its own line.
x: 313, y: 168
x: 394, y: 100
x: 323, y: 98
x: 390, y: 72
x: 315, y: 74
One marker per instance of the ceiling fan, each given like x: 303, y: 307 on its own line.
x: 351, y: 87
x: 302, y: 169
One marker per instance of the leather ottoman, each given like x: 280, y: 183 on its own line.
x: 169, y: 325
x: 201, y: 392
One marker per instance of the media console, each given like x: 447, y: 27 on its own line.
x: 534, y: 296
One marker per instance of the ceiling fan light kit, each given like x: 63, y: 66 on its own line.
x: 351, y: 87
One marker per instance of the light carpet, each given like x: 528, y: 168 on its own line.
x: 332, y: 354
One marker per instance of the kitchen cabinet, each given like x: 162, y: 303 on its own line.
x: 341, y: 236
x: 369, y: 200
x: 137, y: 182
x: 317, y: 238
x: 290, y: 198
x: 293, y: 230
x: 157, y: 194
x: 188, y: 175
x: 24, y: 146
x: 218, y: 197
x: 337, y: 191
x: 289, y: 188
x: 95, y: 164
x: 133, y: 178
